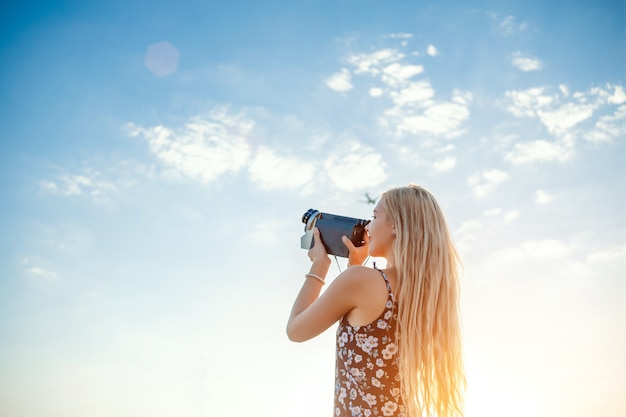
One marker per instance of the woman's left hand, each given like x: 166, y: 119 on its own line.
x: 318, y: 251
x: 357, y: 254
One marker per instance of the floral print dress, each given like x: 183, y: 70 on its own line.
x: 367, y: 382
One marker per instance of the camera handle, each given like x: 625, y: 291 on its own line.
x: 339, y: 266
x: 337, y: 262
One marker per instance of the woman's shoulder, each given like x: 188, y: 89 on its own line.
x: 362, y: 272
x: 363, y: 277
x: 373, y: 278
x: 369, y: 293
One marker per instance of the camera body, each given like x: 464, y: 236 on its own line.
x: 332, y: 227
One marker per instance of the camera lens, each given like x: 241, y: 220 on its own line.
x: 309, y: 218
x: 306, y: 216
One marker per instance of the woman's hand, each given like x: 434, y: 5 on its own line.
x: 357, y: 254
x: 318, y: 251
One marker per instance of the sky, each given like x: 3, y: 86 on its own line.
x: 157, y: 158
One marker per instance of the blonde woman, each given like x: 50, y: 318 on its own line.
x: 399, y: 334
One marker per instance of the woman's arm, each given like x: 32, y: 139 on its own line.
x: 312, y: 314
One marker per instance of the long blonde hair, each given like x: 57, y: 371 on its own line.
x: 429, y: 323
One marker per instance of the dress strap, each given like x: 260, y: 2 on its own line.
x: 386, y: 281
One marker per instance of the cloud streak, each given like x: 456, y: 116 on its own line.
x: 567, y: 118
x: 86, y: 183
x: 414, y: 109
x: 355, y: 166
x: 524, y: 63
x: 274, y: 171
x: 485, y: 182
x: 203, y: 148
x: 508, y: 25
x: 340, y: 81
x: 537, y: 151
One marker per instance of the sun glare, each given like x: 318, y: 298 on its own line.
x: 496, y: 393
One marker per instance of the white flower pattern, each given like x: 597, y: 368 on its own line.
x: 367, y: 381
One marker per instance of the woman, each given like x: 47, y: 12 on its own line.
x: 399, y: 337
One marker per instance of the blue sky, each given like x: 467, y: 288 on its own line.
x: 157, y: 159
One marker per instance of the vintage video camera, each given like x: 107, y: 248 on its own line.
x: 332, y: 227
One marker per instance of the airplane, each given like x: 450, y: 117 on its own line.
x: 369, y: 200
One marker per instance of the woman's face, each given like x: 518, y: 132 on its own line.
x: 380, y: 232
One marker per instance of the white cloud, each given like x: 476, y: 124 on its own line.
x: 537, y: 151
x: 524, y: 63
x: 560, y: 117
x: 432, y: 50
x: 467, y: 233
x: 355, y: 166
x: 446, y: 148
x: 445, y: 164
x: 568, y: 117
x: 396, y: 74
x: 42, y: 273
x: 415, y: 110
x: 418, y: 93
x: 485, y: 182
x: 469, y: 226
x: 609, y: 127
x: 542, y: 197
x: 538, y: 250
x: 441, y: 118
x: 618, y: 97
x: 400, y: 35
x: 492, y: 212
x: 607, y: 255
x: 462, y: 97
x: 39, y: 277
x: 567, y: 265
x: 495, y: 176
x: 204, y: 148
x: 501, y: 141
x: 508, y: 26
x: 509, y: 216
x: 86, y: 183
x: 526, y: 258
x: 565, y: 117
x: 372, y: 63
x: 404, y: 37
x: 526, y: 103
x: 340, y: 81
x: 376, y: 92
x: 317, y: 141
x: 273, y: 171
